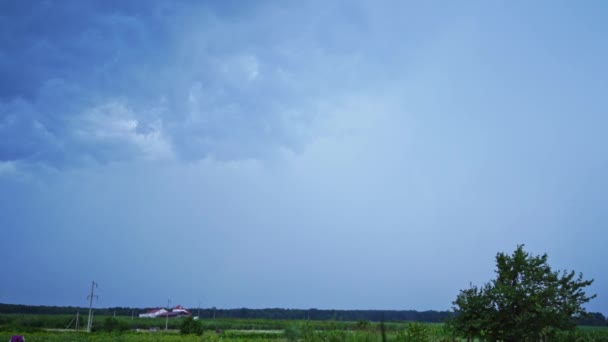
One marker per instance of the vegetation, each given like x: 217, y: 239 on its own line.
x: 244, y: 313
x: 282, y: 330
x: 111, y: 324
x: 526, y: 302
x: 414, y: 332
x: 190, y: 326
x: 405, y: 333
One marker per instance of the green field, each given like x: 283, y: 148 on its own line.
x: 50, y: 328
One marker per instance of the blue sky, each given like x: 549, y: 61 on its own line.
x: 348, y: 155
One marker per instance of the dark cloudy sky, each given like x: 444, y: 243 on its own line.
x: 329, y: 154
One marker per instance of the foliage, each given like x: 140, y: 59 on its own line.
x: 114, y: 324
x: 593, y: 319
x: 363, y: 325
x: 211, y: 336
x: 334, y: 336
x: 382, y: 328
x: 274, y: 314
x: 436, y: 333
x: 300, y: 331
x: 293, y: 332
x: 190, y: 326
x: 102, y: 337
x: 525, y: 302
x: 414, y: 332
x: 472, y: 307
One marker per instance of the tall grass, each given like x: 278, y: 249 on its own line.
x: 33, y: 327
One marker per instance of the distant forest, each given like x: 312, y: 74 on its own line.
x: 431, y: 316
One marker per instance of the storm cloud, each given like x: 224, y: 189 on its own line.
x: 280, y: 154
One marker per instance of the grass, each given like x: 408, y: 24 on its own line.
x: 37, y: 328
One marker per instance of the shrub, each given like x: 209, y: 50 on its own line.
x: 293, y: 332
x: 414, y: 332
x: 114, y: 324
x: 191, y: 327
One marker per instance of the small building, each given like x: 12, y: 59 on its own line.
x: 154, y: 313
x: 178, y: 311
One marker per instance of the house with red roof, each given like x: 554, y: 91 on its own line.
x: 153, y: 313
x: 178, y: 311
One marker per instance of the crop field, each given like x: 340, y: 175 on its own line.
x: 51, y: 328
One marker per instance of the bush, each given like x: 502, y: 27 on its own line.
x: 191, y: 327
x: 300, y: 331
x: 334, y: 336
x: 414, y: 332
x: 114, y: 324
x: 293, y: 332
x: 362, y: 325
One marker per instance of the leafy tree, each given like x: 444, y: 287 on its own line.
x: 527, y: 301
x: 191, y: 326
x: 473, y: 306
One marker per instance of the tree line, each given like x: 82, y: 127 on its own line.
x: 431, y: 316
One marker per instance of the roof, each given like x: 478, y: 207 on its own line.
x: 177, y: 311
x: 180, y: 308
x: 155, y: 310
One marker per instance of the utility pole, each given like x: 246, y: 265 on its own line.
x: 90, y: 297
x: 167, y: 317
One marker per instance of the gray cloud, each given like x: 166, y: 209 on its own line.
x: 84, y: 80
x: 63, y: 61
x: 213, y: 81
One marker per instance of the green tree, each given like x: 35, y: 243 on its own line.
x: 473, y: 307
x: 527, y: 301
x: 190, y: 326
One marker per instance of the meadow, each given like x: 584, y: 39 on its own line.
x: 51, y: 328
